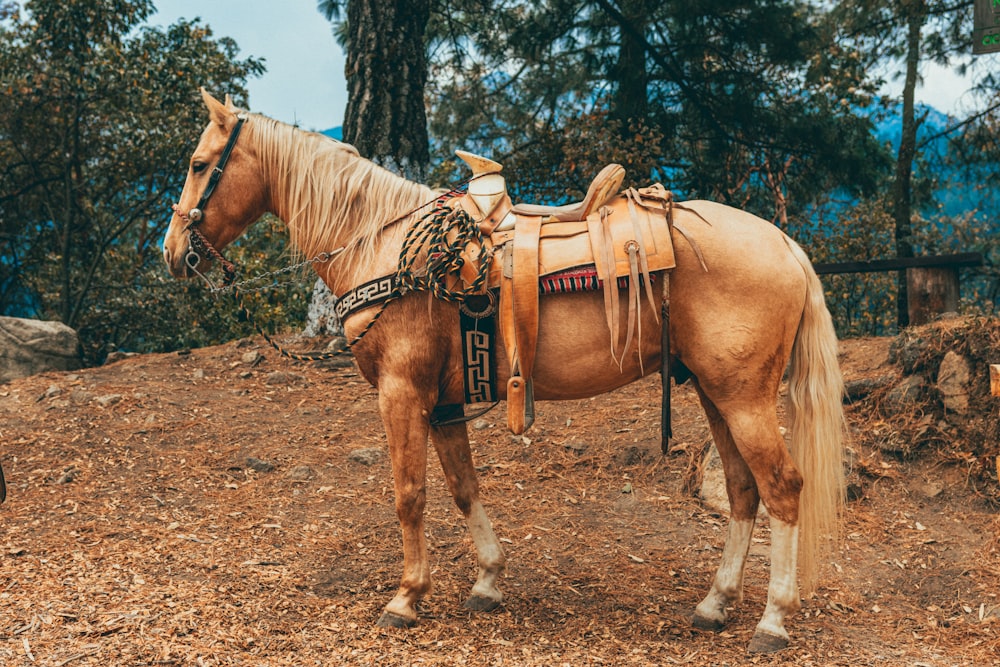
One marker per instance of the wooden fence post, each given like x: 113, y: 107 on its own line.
x: 931, y: 291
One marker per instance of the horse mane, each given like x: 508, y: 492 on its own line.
x: 331, y: 195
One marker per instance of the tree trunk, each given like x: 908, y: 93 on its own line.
x: 385, y: 118
x: 630, y: 101
x: 386, y: 73
x: 902, y: 189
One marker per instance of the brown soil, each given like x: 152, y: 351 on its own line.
x: 143, y: 526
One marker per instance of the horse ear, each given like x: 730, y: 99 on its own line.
x: 229, y: 103
x: 217, y: 111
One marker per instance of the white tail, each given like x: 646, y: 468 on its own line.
x: 816, y: 415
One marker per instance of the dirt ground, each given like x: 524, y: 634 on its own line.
x: 228, y: 507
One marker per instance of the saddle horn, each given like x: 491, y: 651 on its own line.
x: 487, y: 187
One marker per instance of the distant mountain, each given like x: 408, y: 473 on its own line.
x: 335, y: 133
x: 956, y: 193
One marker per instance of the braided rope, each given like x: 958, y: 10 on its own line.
x: 322, y: 356
x: 428, y: 239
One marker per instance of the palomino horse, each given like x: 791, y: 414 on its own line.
x: 739, y: 311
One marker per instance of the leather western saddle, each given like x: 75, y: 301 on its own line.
x: 622, y: 235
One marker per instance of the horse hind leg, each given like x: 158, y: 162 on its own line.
x: 758, y: 466
x: 780, y: 485
x: 727, y: 587
x: 452, y: 445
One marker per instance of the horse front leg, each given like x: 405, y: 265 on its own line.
x: 452, y: 445
x: 406, y: 418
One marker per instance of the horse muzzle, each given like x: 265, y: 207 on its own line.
x: 185, y: 262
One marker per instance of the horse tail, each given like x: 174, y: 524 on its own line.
x: 816, y: 415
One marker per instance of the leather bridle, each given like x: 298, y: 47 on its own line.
x: 196, y: 239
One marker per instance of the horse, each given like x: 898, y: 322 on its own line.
x: 745, y: 304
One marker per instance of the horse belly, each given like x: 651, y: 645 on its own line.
x: 574, y: 356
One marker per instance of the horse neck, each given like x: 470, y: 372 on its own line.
x: 331, y: 198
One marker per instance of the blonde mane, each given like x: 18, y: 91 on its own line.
x: 330, y: 196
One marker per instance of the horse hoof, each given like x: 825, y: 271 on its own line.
x: 765, y: 642
x: 390, y: 620
x: 705, y: 623
x: 481, y: 603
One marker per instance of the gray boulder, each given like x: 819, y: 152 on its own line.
x: 33, y: 346
x: 322, y: 319
x: 953, y: 383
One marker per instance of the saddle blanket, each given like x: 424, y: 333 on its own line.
x: 579, y: 279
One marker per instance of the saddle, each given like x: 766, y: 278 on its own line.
x: 623, y: 235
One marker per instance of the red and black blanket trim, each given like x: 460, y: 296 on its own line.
x: 578, y: 279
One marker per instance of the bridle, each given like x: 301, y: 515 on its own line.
x: 198, y: 243
x: 196, y: 239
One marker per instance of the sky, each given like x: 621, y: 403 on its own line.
x: 305, y: 83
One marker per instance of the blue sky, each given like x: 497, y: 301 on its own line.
x: 305, y: 84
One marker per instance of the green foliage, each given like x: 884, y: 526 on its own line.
x: 862, y: 304
x: 749, y: 102
x: 97, y: 119
x: 187, y: 314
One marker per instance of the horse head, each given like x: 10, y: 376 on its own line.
x: 214, y: 210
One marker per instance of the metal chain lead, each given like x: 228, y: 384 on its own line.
x: 244, y: 285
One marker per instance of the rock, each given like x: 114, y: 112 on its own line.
x: 953, y: 383
x: 108, y: 400
x: 713, y: 482
x: 259, y: 465
x: 321, y: 318
x: 931, y: 489
x: 905, y: 394
x: 252, y: 358
x: 281, y: 377
x: 906, y: 351
x: 857, y: 389
x: 81, y: 396
x: 368, y: 456
x: 301, y: 473
x: 28, y: 347
x: 337, y: 344
x: 713, y: 485
x: 480, y: 425
x: 117, y: 356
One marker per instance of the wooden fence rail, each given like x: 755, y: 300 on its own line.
x: 932, y: 282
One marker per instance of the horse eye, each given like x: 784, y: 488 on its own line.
x: 198, y: 167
